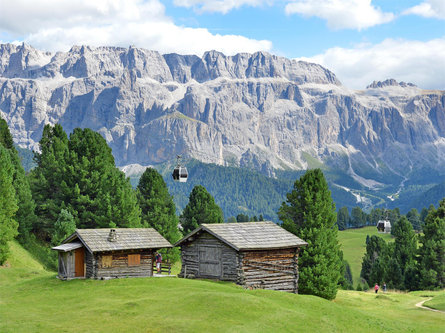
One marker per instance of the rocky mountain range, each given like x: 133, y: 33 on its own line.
x: 251, y: 110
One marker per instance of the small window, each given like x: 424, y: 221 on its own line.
x: 107, y: 261
x: 134, y: 259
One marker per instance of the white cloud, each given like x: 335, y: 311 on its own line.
x: 56, y: 25
x: 220, y: 6
x: 422, y: 63
x: 428, y: 8
x: 341, y: 14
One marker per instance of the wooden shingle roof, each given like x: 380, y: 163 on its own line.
x: 250, y: 235
x: 96, y: 240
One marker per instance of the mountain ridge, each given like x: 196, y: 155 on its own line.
x: 256, y: 110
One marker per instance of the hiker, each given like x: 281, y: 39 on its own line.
x: 158, y: 261
x: 376, y: 288
x: 384, y: 287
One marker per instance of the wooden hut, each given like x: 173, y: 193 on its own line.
x: 253, y: 254
x: 109, y: 253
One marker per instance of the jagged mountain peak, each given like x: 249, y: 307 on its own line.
x: 256, y: 110
x: 85, y: 61
x: 390, y: 83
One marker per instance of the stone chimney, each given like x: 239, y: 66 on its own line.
x: 112, y: 237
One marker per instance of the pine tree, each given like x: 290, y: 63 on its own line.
x: 373, y: 266
x: 201, y: 208
x: 405, y: 243
x: 394, y: 275
x: 310, y: 214
x: 47, y: 179
x: 98, y: 194
x: 157, y: 208
x: 64, y: 227
x: 343, y: 219
x: 358, y: 217
x: 8, y: 204
x: 432, y: 249
x: 413, y: 217
x: 25, y: 215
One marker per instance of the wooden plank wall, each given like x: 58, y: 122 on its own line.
x: 190, y: 258
x: 66, y: 265
x: 120, y: 266
x: 269, y: 269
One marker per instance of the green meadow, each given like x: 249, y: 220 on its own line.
x: 34, y: 300
x: 353, y: 244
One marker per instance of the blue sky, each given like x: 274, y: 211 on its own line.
x: 296, y: 36
x: 359, y: 40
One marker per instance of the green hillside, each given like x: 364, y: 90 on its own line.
x: 38, y: 302
x: 353, y: 244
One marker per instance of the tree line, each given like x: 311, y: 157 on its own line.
x: 413, y: 261
x: 358, y: 218
x: 76, y: 184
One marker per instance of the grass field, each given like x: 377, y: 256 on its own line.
x: 438, y: 302
x: 33, y: 300
x: 353, y: 244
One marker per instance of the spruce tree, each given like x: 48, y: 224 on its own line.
x: 98, y: 194
x: 25, y: 215
x: 47, y: 179
x: 64, y: 227
x: 343, y: 219
x: 79, y: 175
x: 432, y: 249
x: 201, y: 208
x: 373, y: 264
x: 310, y: 214
x: 157, y: 208
x: 8, y: 204
x: 405, y: 244
x: 413, y: 217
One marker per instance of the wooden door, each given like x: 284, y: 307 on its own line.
x: 79, y: 260
x: 210, y: 261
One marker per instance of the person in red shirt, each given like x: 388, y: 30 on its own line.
x: 376, y: 288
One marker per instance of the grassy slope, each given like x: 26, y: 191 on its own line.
x: 33, y: 300
x: 353, y: 244
x: 438, y: 302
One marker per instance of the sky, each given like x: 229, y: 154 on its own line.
x: 359, y: 40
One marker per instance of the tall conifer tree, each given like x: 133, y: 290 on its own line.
x: 201, y: 208
x: 99, y: 195
x: 48, y: 178
x: 157, y: 207
x: 8, y: 204
x: 432, y: 249
x: 25, y: 215
x: 310, y: 214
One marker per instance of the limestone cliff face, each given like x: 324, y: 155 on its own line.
x: 255, y: 110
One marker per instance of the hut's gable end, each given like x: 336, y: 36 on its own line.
x: 205, y: 256
x: 270, y: 269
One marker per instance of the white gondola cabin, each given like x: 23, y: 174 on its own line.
x: 180, y: 172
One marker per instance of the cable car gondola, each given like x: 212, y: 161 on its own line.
x: 180, y: 172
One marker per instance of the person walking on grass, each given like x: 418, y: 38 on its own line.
x: 158, y: 262
x: 384, y: 287
x: 376, y: 288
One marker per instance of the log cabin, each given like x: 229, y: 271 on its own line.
x: 256, y: 255
x: 109, y: 253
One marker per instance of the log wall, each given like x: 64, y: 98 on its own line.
x: 119, y: 265
x: 221, y: 264
x: 269, y: 269
x: 205, y: 256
